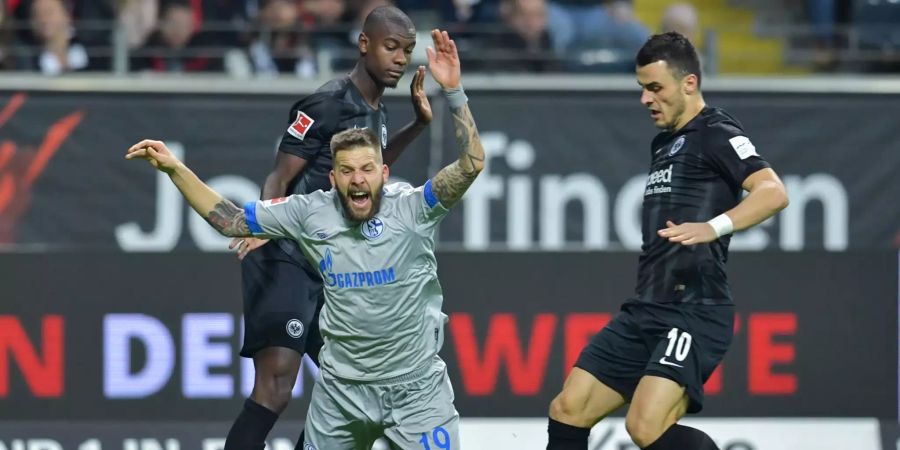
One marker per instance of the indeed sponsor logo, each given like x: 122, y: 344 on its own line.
x: 658, y: 177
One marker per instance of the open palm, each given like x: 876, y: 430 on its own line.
x: 443, y: 60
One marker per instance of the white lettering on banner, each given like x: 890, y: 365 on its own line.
x: 31, y: 444
x: 275, y: 444
x: 831, y: 194
x: 200, y: 355
x: 558, y: 192
x: 729, y: 434
x: 207, y: 344
x: 90, y: 444
x: 119, y: 330
x: 150, y: 444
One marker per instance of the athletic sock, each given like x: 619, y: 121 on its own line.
x: 680, y: 437
x: 567, y: 437
x: 251, y: 427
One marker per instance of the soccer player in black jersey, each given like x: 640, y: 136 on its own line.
x: 665, y: 342
x: 282, y: 292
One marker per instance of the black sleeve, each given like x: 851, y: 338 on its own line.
x: 311, y: 122
x: 732, y: 154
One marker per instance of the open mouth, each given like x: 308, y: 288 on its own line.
x: 655, y: 114
x: 359, y: 199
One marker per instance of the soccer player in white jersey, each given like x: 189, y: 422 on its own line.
x: 374, y: 246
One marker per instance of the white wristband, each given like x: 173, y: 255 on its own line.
x: 722, y: 225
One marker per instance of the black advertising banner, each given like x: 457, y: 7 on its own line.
x: 565, y: 170
x: 569, y: 170
x: 154, y: 337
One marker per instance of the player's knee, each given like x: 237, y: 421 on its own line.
x: 273, y: 391
x: 643, y: 429
x: 569, y: 407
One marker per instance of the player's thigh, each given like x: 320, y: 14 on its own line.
x: 658, y: 403
x: 421, y: 414
x: 605, y: 375
x: 280, y: 301
x: 336, y: 418
x: 688, y: 342
x: 277, y: 362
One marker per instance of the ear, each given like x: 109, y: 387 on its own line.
x: 331, y: 177
x: 362, y: 43
x: 689, y: 84
x: 385, y: 173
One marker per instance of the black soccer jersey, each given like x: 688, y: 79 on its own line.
x: 334, y: 107
x: 696, y: 174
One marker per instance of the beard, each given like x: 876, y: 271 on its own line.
x: 358, y: 216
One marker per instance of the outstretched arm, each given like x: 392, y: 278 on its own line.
x: 452, y: 181
x: 227, y: 218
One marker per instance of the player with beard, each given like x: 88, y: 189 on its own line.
x: 374, y: 247
x: 282, y: 291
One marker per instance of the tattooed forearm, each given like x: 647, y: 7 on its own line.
x: 452, y: 182
x: 471, y: 153
x: 228, y: 219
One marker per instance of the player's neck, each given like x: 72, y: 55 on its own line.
x: 370, y: 90
x: 693, y: 109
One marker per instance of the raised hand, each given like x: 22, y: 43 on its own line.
x: 156, y: 153
x: 419, y: 99
x: 443, y: 60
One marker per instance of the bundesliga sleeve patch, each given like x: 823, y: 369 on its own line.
x: 743, y: 147
x: 275, y: 201
x: 301, y: 125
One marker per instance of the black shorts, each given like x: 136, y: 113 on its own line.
x: 683, y: 342
x: 282, y: 300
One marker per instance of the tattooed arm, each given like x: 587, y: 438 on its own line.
x: 452, y: 181
x: 222, y: 214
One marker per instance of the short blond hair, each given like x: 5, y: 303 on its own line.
x: 355, y: 138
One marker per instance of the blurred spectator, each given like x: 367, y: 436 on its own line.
x: 572, y: 20
x: 6, y: 39
x: 58, y: 50
x: 176, y: 45
x: 138, y: 20
x: 280, y: 46
x: 331, y: 20
x: 450, y: 12
x: 524, y: 45
x: 96, y: 18
x: 681, y: 17
x: 581, y: 24
x: 325, y: 13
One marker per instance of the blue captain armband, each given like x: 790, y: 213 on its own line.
x: 250, y: 215
x: 430, y: 198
